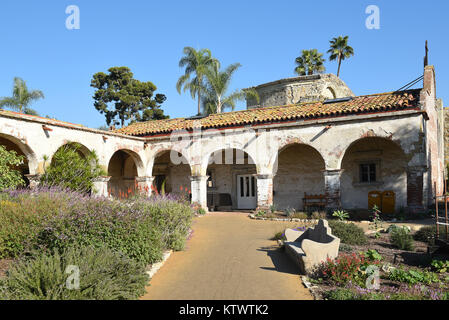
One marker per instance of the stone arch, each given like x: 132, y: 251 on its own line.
x: 205, y: 159
x: 158, y: 152
x: 329, y: 93
x: 370, y: 134
x: 171, y: 171
x: 373, y: 163
x: 274, y: 158
x: 298, y: 169
x: 231, y: 172
x: 16, y: 144
x: 82, y: 149
x: 124, y: 166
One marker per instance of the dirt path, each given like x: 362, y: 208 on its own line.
x: 229, y: 257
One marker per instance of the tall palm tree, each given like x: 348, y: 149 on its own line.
x: 217, y: 84
x: 309, y: 62
x: 195, y: 62
x: 340, y: 50
x: 21, y: 96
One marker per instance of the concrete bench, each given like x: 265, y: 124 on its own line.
x: 310, y: 248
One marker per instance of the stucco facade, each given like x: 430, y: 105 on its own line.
x: 275, y: 162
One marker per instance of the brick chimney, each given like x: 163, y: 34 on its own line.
x: 428, y: 93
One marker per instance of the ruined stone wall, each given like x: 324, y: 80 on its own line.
x: 300, y: 89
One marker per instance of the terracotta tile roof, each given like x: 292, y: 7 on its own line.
x: 382, y: 102
x: 24, y: 116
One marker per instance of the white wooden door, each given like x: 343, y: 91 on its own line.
x: 246, y: 192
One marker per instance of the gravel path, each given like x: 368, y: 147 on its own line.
x: 229, y: 257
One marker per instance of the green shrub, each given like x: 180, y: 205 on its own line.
x: 56, y: 220
x: 440, y: 265
x: 318, y: 215
x: 278, y: 236
x: 346, y: 268
x: 344, y: 247
x: 372, y: 255
x: 413, y: 276
x: 103, y: 275
x: 402, y: 239
x: 72, y: 169
x: 341, y: 215
x: 348, y: 233
x: 342, y: 294
x: 22, y: 216
x: 10, y: 178
x: 427, y: 234
x: 172, y: 218
x: 289, y: 211
x: 299, y: 215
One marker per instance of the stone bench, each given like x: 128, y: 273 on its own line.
x: 310, y: 248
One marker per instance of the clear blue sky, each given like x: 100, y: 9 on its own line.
x: 264, y: 36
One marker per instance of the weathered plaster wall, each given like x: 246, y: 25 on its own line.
x: 300, y: 170
x: 391, y: 166
x: 36, y: 142
x: 261, y: 143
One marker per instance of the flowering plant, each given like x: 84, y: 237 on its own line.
x: 347, y: 268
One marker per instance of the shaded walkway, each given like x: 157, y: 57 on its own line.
x: 229, y: 257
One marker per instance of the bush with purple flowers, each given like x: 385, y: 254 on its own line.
x: 56, y: 219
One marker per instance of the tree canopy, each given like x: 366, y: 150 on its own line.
x: 72, y: 169
x: 10, y: 178
x: 195, y: 63
x: 21, y: 97
x: 122, y: 98
x: 310, y: 62
x: 216, y: 86
x: 340, y: 50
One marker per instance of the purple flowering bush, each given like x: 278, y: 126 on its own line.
x: 55, y: 219
x: 402, y: 292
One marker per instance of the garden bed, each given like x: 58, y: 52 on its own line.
x: 422, y: 282
x: 42, y: 232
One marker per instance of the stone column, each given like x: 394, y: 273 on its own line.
x: 34, y: 179
x: 415, y: 188
x: 144, y: 185
x: 199, y: 191
x: 332, y: 188
x: 100, y: 186
x: 264, y: 191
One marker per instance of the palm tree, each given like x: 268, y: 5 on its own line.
x: 217, y: 84
x: 339, y: 50
x: 195, y: 62
x: 21, y: 97
x: 309, y: 62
